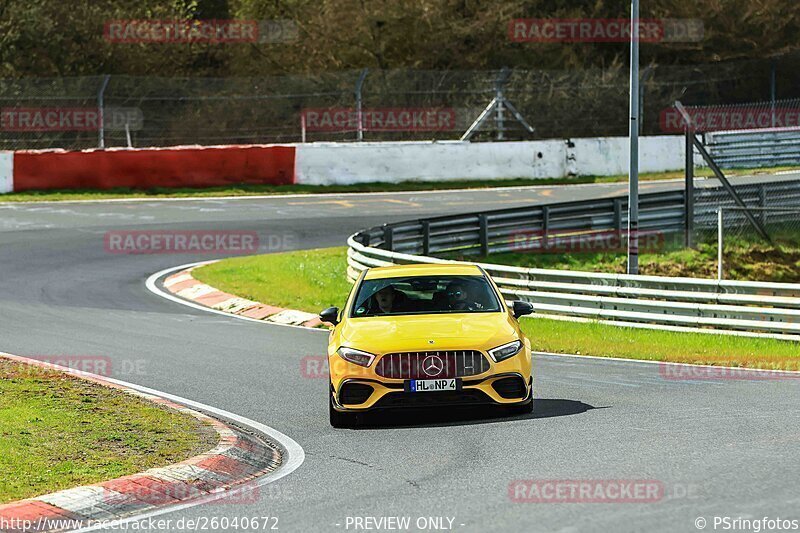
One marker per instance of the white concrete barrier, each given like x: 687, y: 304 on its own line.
x: 607, y: 156
x: 6, y: 172
x: 347, y: 163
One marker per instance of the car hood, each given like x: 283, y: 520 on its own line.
x: 452, y: 331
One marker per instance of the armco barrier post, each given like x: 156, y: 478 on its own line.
x: 484, y: 234
x: 426, y: 237
x: 618, y: 215
x: 388, y: 237
x: 545, y: 225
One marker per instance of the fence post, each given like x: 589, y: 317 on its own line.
x: 719, y: 244
x: 484, y: 234
x: 762, y: 202
x: 426, y: 237
x: 101, y: 130
x: 359, y: 117
x: 499, y: 108
x: 689, y: 188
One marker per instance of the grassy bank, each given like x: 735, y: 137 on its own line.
x: 744, y: 260
x: 252, y: 190
x: 60, y: 432
x: 314, y: 279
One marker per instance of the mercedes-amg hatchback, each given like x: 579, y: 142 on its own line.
x: 426, y: 335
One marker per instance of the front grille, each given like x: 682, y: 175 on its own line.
x: 510, y: 387
x: 439, y: 364
x: 434, y: 399
x: 354, y: 393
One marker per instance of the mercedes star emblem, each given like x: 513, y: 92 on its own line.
x: 432, y: 365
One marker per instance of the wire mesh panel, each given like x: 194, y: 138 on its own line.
x: 356, y: 105
x: 744, y: 254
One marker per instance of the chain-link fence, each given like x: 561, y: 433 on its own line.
x: 743, y: 253
x: 85, y: 112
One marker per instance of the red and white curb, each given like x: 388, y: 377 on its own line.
x: 232, y: 471
x: 184, y: 285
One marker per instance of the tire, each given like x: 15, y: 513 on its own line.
x: 521, y: 408
x: 525, y: 408
x: 341, y: 420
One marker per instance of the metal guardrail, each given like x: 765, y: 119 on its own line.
x: 755, y: 148
x: 503, y: 230
x: 738, y: 307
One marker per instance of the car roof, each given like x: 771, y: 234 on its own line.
x: 440, y: 269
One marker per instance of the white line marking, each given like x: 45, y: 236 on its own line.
x: 652, y: 362
x: 294, y: 452
x: 278, y: 196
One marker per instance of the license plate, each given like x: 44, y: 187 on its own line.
x: 432, y: 385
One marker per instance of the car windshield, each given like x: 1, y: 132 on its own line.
x: 417, y: 295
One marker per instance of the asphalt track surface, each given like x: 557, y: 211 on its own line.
x: 720, y: 448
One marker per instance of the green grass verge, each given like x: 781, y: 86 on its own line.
x: 308, y: 280
x: 59, y: 432
x: 314, y: 279
x: 251, y: 190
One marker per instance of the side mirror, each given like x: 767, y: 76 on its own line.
x: 521, y: 308
x: 330, y: 315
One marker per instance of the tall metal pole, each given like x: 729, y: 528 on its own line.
x: 633, y: 133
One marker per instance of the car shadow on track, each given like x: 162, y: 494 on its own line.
x: 439, y: 417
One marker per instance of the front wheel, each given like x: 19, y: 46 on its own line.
x: 339, y: 419
x: 521, y: 408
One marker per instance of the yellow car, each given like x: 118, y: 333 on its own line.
x: 426, y: 335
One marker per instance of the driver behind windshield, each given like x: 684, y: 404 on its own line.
x: 458, y: 297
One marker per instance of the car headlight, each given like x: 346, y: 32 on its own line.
x: 354, y: 356
x: 505, y: 351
